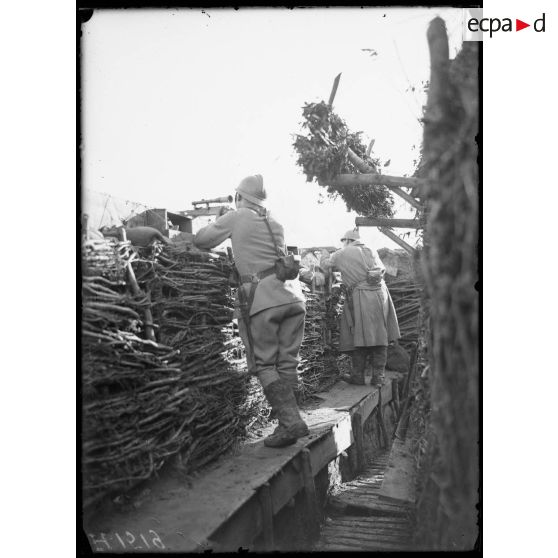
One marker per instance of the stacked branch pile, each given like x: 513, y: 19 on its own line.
x: 317, y: 370
x: 182, y: 395
x: 406, y: 296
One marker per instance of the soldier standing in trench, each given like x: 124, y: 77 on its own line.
x: 270, y: 311
x: 369, y: 321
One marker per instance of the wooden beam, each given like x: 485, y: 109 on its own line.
x: 407, y: 197
x: 267, y: 516
x: 376, y: 178
x: 361, y: 165
x: 359, y: 441
x: 397, y: 240
x: 395, y: 396
x: 312, y: 508
x: 381, y: 423
x: 334, y: 90
x: 391, y: 182
x: 370, y: 146
x: 383, y: 222
x: 148, y: 316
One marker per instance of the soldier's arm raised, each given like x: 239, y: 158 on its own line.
x: 327, y: 260
x: 213, y: 234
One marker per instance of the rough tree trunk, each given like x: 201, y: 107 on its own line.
x: 447, y: 514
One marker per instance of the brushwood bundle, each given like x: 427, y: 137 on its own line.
x: 146, y: 401
x: 406, y: 295
x: 317, y: 369
x: 323, y: 153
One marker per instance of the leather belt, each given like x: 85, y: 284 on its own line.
x: 260, y: 275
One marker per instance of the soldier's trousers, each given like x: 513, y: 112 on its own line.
x: 277, y: 335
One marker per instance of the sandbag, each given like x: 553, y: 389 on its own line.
x: 398, y: 359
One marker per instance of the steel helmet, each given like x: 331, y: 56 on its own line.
x: 252, y: 189
x: 351, y: 235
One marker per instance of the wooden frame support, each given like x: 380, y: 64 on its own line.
x: 388, y: 180
x: 266, y: 504
x: 391, y: 182
x: 397, y: 240
x: 334, y: 89
x: 370, y: 146
x: 313, y: 516
x: 369, y: 174
x: 395, y: 396
x: 381, y: 423
x: 385, y: 222
x: 149, y: 329
x: 359, y: 440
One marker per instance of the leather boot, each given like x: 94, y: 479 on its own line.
x: 358, y: 358
x: 291, y: 426
x: 379, y: 357
x: 378, y: 377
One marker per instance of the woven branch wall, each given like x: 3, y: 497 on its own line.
x: 449, y: 463
x: 146, y: 401
x: 185, y: 395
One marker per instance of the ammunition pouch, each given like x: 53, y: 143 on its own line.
x: 374, y: 277
x: 287, y: 267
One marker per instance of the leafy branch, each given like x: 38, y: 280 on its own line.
x: 323, y: 153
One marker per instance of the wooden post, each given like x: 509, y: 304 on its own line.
x: 370, y: 145
x: 395, y: 396
x: 264, y: 496
x: 397, y: 240
x: 407, y: 197
x: 148, y: 316
x: 385, y: 222
x: 359, y: 441
x: 310, y: 493
x: 327, y: 294
x: 84, y: 226
x: 438, y: 88
x: 334, y: 90
x: 378, y: 430
x: 380, y: 418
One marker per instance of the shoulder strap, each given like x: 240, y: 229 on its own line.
x: 272, y: 237
x: 363, y: 260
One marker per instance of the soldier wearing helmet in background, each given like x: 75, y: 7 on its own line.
x: 270, y: 311
x: 369, y: 321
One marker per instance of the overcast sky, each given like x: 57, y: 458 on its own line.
x: 180, y: 105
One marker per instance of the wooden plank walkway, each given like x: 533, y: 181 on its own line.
x: 359, y: 533
x: 375, y: 511
x: 220, y: 508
